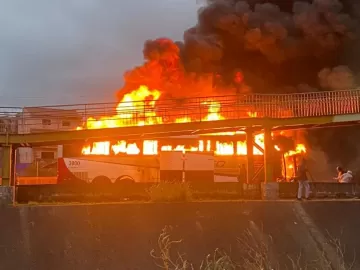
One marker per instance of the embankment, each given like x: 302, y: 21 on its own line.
x: 121, y: 236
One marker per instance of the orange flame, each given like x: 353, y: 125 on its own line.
x: 138, y: 107
x: 300, y: 149
x: 129, y: 109
x: 98, y: 148
x: 213, y: 111
x: 252, y: 114
x: 126, y: 148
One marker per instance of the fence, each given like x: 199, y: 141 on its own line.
x: 68, y: 117
x: 321, y: 190
x: 82, y: 192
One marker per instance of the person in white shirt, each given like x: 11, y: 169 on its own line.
x: 302, y: 178
x: 346, y: 177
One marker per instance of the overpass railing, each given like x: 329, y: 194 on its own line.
x: 69, y: 117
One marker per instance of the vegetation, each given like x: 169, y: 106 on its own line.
x: 162, y: 192
x: 170, y: 192
x: 184, y: 192
x: 254, y: 255
x: 149, y: 192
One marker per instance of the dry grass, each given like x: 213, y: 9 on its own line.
x: 164, y: 259
x: 254, y: 255
x: 170, y: 192
x: 340, y: 250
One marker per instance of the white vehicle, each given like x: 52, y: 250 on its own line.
x: 167, y: 166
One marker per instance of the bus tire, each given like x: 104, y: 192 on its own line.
x: 125, y: 179
x: 101, y: 180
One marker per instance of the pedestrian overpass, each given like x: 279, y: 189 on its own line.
x: 172, y: 117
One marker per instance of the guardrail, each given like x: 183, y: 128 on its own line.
x: 83, y: 192
x: 68, y: 117
x: 321, y: 190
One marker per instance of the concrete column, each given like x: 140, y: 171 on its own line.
x: 8, y: 170
x: 140, y: 144
x: 270, y: 188
x: 268, y: 155
x: 249, y: 155
x: 7, y: 166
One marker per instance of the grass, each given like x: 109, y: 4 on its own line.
x: 184, y: 192
x: 159, y: 192
x: 164, y: 259
x: 255, y: 254
x: 170, y: 192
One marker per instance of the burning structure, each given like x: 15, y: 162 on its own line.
x: 237, y: 47
x: 130, y: 111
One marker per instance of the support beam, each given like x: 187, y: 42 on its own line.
x: 270, y: 188
x: 8, y: 170
x: 7, y: 164
x: 268, y: 155
x: 234, y: 142
x: 166, y: 130
x: 258, y: 147
x: 249, y: 155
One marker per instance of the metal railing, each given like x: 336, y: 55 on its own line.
x: 321, y: 190
x: 69, y: 117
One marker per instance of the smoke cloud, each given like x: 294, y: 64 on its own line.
x: 256, y: 46
x: 338, y: 78
x: 277, y: 48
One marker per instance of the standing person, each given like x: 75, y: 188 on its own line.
x: 242, y: 177
x: 303, y: 180
x: 242, y: 174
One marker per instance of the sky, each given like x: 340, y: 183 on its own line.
x: 76, y: 51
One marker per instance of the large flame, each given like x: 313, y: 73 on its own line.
x: 97, y: 148
x: 138, y: 108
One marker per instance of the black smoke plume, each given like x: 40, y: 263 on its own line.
x: 276, y: 49
x: 263, y: 47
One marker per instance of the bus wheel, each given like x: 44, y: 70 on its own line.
x: 101, y: 180
x: 125, y: 179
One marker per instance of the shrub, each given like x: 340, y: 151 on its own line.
x: 255, y: 254
x: 170, y: 192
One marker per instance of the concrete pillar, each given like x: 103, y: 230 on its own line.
x: 60, y: 151
x: 7, y: 166
x: 249, y: 155
x: 268, y: 155
x: 270, y: 188
x: 8, y: 170
x: 140, y: 144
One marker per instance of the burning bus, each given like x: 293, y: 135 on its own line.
x: 215, y: 158
x: 183, y: 157
x: 173, y: 157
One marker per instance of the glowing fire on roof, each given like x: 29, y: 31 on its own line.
x: 130, y: 111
